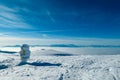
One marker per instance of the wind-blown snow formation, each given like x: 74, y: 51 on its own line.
x: 55, y: 65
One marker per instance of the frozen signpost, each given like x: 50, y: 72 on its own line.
x: 24, y: 53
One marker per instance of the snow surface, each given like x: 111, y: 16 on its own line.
x: 52, y: 64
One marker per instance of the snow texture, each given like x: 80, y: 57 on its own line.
x: 55, y: 65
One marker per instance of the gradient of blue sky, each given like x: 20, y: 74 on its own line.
x: 60, y: 18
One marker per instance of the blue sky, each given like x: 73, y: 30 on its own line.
x: 60, y: 19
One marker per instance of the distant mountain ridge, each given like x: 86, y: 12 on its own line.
x: 66, y: 45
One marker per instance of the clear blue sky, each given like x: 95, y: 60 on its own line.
x: 60, y: 18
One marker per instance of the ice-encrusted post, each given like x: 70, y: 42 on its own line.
x: 24, y: 53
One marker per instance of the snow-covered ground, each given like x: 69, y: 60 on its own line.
x: 60, y: 64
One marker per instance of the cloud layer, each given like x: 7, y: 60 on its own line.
x: 9, y: 18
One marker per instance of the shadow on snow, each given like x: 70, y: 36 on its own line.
x: 9, y: 52
x: 61, y: 54
x: 3, y: 67
x: 39, y: 64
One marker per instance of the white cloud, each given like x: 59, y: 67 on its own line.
x: 4, y: 8
x: 9, y: 15
x: 44, y: 31
x: 50, y: 16
x: 9, y: 18
x: 4, y: 35
x: 1, y: 34
x: 45, y: 35
x: 38, y: 41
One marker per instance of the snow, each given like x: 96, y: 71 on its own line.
x: 57, y: 64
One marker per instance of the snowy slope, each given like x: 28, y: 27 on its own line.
x: 56, y: 65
